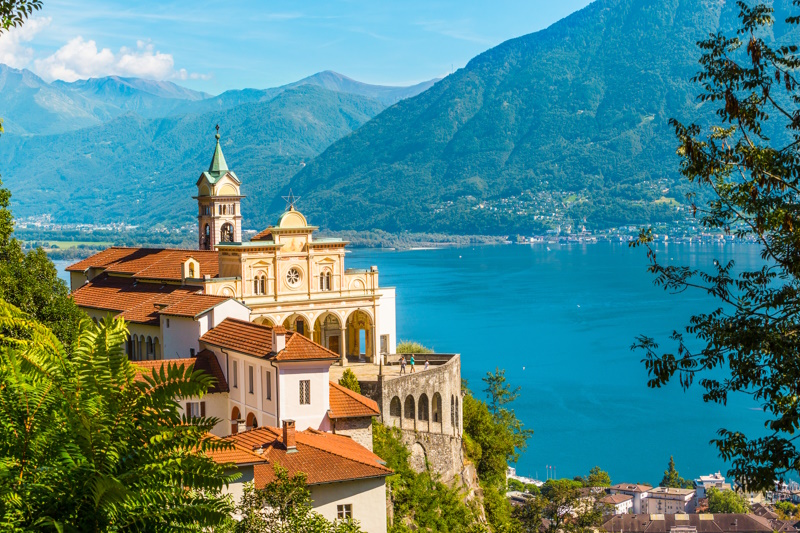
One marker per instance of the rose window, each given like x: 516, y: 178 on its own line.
x: 293, y: 277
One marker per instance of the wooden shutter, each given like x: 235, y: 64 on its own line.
x: 202, y: 409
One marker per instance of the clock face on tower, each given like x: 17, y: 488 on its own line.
x: 293, y: 277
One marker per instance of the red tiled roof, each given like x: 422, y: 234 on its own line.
x: 101, y: 259
x: 256, y: 340
x: 615, y: 499
x: 323, y: 457
x: 149, y: 263
x: 131, y: 300
x: 263, y: 235
x: 193, y: 305
x: 631, y: 487
x: 205, y: 360
x: 236, y: 455
x: 348, y: 404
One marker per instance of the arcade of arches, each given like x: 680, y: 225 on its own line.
x: 356, y: 337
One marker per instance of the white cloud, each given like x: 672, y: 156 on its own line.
x: 13, y: 51
x: 80, y: 59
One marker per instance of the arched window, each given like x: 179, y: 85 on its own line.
x: 394, y: 407
x: 260, y: 284
x: 408, y: 408
x: 422, y: 412
x: 206, y: 238
x: 256, y: 285
x: 325, y: 280
x: 235, y: 420
x: 226, y: 234
x: 219, y: 209
x: 437, y: 407
x: 251, y: 421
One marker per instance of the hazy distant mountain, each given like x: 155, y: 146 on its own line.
x: 146, y: 98
x: 144, y: 170
x: 570, y: 120
x: 29, y: 105
x: 333, y: 81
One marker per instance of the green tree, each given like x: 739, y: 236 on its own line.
x: 726, y: 501
x: 748, y: 161
x: 412, y: 347
x: 85, y: 446
x: 284, y: 506
x: 420, y: 501
x: 567, y: 506
x: 597, y: 478
x: 349, y: 380
x: 13, y: 13
x: 672, y: 478
x: 786, y: 510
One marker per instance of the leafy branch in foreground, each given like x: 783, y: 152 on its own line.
x: 750, y: 163
x: 85, y: 446
x: 14, y: 13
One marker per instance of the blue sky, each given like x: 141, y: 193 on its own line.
x: 214, y: 46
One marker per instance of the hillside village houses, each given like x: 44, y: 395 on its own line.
x: 266, y: 319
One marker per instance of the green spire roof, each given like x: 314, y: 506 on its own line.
x: 218, y: 164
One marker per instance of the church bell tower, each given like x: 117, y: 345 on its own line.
x: 219, y: 203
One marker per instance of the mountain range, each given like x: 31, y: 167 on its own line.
x: 566, y: 126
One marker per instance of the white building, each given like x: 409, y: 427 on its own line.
x: 667, y: 500
x: 703, y: 483
x: 638, y: 494
x: 618, y: 503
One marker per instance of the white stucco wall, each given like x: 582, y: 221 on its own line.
x: 228, y: 309
x: 236, y: 489
x: 368, y: 498
x: 387, y: 318
x: 180, y: 337
x: 311, y: 415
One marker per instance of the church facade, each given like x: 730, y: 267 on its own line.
x: 283, y: 276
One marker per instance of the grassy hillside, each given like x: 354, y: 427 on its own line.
x: 567, y: 126
x: 144, y: 171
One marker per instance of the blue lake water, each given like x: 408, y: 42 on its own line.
x: 561, y: 322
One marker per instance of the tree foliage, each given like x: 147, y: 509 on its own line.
x: 565, y: 505
x: 283, y: 506
x: 14, y: 13
x: 85, y: 446
x: 726, y: 501
x: 748, y: 161
x: 596, y: 478
x: 419, y: 500
x: 672, y: 478
x: 350, y: 381
x: 412, y: 347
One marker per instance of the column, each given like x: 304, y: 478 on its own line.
x: 343, y: 345
x: 373, y: 340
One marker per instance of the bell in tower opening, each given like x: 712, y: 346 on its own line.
x: 219, y: 203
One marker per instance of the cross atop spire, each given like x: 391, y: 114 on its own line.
x: 218, y: 164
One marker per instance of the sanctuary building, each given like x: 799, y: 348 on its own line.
x: 283, y: 276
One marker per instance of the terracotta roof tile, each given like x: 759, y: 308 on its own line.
x: 256, y: 340
x: 149, y: 263
x: 323, y: 457
x: 101, y: 259
x: 205, y: 360
x: 345, y: 403
x: 129, y: 299
x: 237, y: 455
x: 193, y: 305
x: 263, y: 235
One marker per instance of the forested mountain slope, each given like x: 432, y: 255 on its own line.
x: 566, y: 126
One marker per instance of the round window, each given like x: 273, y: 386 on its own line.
x: 293, y: 277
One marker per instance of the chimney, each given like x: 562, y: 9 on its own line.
x: 278, y: 338
x: 289, y: 437
x: 241, y: 426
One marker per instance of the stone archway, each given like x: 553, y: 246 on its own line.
x: 419, y: 458
x: 360, y: 331
x: 328, y: 332
x: 299, y: 324
x: 264, y: 321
